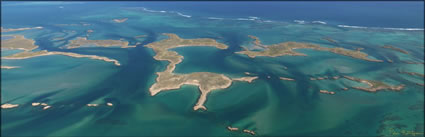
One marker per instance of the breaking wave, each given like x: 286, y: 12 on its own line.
x: 362, y: 27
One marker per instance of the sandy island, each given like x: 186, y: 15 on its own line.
x: 167, y: 80
x: 287, y: 49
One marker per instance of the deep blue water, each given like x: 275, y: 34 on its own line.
x: 370, y: 14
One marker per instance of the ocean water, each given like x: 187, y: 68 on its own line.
x: 268, y: 106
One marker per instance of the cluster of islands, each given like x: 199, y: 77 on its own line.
x: 45, y: 106
x: 205, y: 81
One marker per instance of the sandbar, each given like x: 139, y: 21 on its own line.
x: 247, y: 79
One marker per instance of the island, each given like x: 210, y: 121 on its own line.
x: 120, y: 20
x: 326, y: 92
x: 84, y: 42
x: 18, y: 42
x: 374, y: 86
x: 206, y: 81
x: 395, y: 49
x: 18, y: 29
x: 26, y: 55
x: 287, y: 49
x: 235, y: 129
x: 288, y: 79
x: 27, y: 45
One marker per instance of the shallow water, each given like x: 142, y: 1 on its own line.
x: 268, y: 106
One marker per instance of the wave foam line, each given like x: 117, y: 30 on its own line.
x: 362, y: 27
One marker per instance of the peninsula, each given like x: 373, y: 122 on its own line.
x: 287, y: 49
x: 206, y: 81
x: 84, y: 42
x: 374, y: 86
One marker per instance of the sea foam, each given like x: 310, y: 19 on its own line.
x: 362, y: 27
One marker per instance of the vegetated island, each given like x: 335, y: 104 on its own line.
x: 84, y: 42
x: 22, y: 43
x: 287, y: 49
x: 18, y: 29
x: 395, y: 49
x: 206, y: 81
x: 374, y: 86
x: 120, y: 20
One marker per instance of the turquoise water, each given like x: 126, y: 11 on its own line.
x: 268, y: 106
